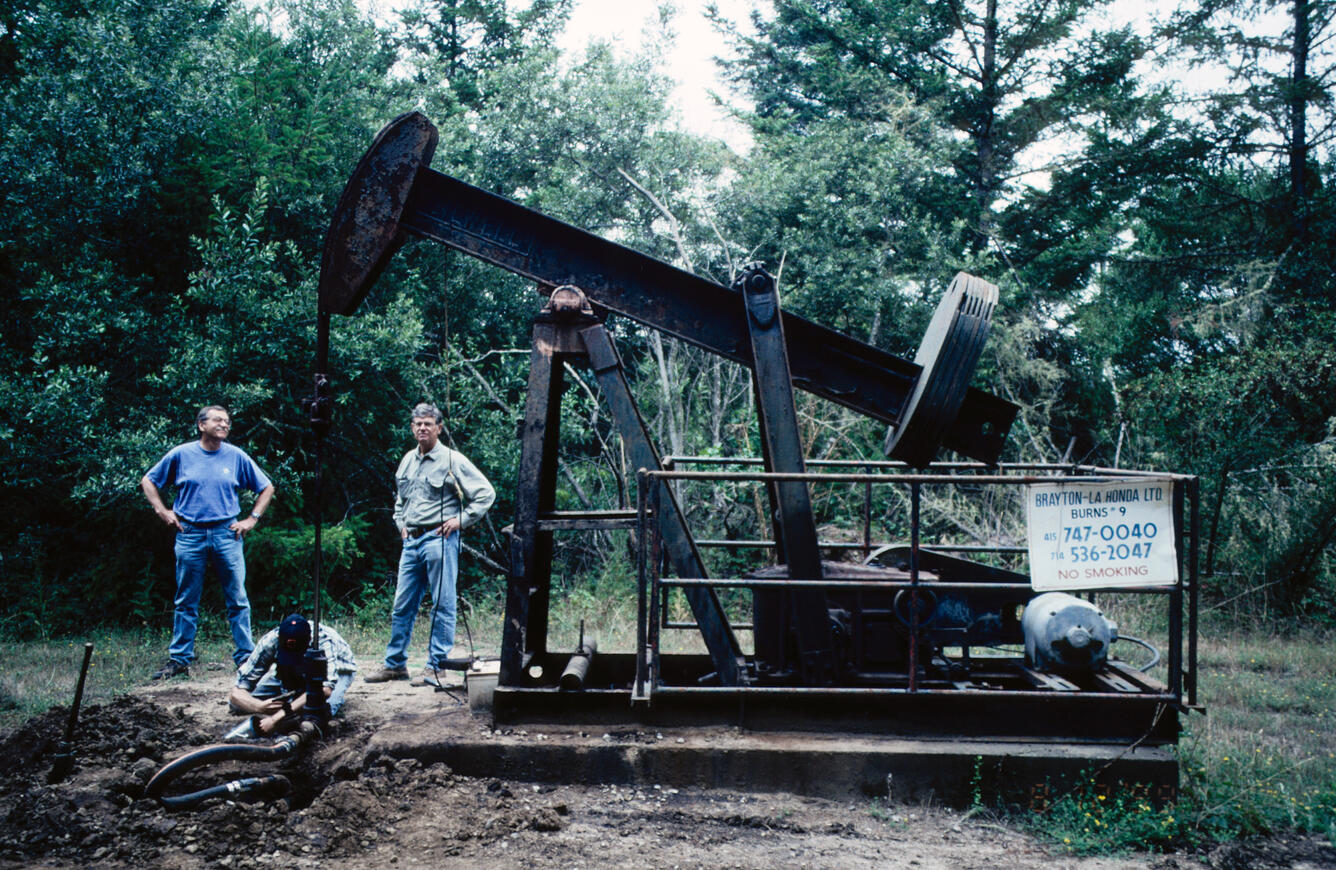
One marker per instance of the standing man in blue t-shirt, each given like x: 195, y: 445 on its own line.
x: 207, y: 474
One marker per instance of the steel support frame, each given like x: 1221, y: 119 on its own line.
x: 559, y: 339
x: 524, y: 632
x: 1150, y: 714
x: 393, y: 195
x: 1080, y: 719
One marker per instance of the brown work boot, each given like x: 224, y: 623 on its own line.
x: 384, y: 675
x: 173, y: 668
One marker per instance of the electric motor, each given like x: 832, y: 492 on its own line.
x: 1064, y: 633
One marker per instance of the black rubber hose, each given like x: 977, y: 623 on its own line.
x: 1154, y: 652
x: 281, y: 748
x: 279, y: 785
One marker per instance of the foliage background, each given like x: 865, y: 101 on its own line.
x: 1154, y: 202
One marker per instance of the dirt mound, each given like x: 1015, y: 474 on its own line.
x: 127, y: 725
x: 337, y: 806
x: 97, y: 810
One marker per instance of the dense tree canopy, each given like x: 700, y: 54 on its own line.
x: 1163, y: 245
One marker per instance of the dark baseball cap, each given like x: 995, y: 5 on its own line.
x: 294, y: 636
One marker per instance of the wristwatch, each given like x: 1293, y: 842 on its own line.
x: 255, y: 516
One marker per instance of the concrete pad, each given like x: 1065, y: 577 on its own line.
x: 947, y: 772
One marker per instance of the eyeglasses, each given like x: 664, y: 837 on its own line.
x: 226, y: 422
x: 423, y: 424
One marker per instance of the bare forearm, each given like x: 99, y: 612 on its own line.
x: 269, y: 723
x: 262, y: 500
x: 300, y: 701
x: 244, y: 701
x: 244, y: 527
x: 155, y: 501
x: 151, y: 493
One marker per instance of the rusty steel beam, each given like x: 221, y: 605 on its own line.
x: 393, y: 194
x: 792, y: 502
x: 528, y: 590
x: 681, y: 548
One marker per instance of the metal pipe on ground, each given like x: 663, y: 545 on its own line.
x: 577, y: 669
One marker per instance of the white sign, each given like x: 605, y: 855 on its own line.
x: 1118, y: 533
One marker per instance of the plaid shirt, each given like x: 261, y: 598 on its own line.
x: 265, y: 656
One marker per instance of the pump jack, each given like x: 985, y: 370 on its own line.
x: 802, y: 630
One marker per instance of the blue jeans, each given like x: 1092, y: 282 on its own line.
x: 426, y: 563
x: 196, y: 547
x: 270, y: 687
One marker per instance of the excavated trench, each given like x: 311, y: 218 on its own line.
x: 99, y: 812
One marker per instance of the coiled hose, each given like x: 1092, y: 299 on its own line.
x: 1154, y: 651
x: 284, y: 747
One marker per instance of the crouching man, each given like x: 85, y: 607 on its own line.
x: 271, y: 684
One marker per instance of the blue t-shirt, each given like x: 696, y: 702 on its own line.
x: 207, y: 480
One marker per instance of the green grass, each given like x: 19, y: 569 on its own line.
x: 1259, y: 761
x: 39, y: 675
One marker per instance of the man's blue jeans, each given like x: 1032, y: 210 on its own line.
x: 196, y: 547
x: 426, y: 563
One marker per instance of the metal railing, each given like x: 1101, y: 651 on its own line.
x: 652, y: 586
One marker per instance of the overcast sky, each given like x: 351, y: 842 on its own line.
x: 691, y: 63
